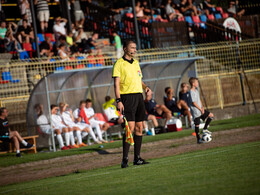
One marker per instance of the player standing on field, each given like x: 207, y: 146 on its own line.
x: 197, y: 109
x: 128, y: 86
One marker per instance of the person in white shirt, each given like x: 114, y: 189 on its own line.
x: 81, y: 119
x: 59, y: 124
x: 59, y: 27
x: 95, y: 123
x: 45, y: 127
x: 68, y: 119
x: 111, y: 112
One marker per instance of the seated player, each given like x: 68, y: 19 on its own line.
x: 59, y: 124
x: 155, y: 109
x: 184, y: 93
x: 149, y: 117
x: 68, y: 119
x: 111, y: 111
x: 6, y: 135
x: 99, y: 125
x: 175, y: 106
x: 45, y: 127
x: 81, y: 119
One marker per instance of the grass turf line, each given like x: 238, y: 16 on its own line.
x: 229, y: 170
x: 220, y: 125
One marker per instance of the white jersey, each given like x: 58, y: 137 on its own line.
x: 93, y: 122
x: 67, y: 118
x: 57, y: 122
x: 110, y: 112
x: 82, y: 123
x: 43, y: 123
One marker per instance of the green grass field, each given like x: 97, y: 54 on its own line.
x: 220, y: 125
x: 224, y: 170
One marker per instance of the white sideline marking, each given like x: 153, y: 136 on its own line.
x: 135, y: 167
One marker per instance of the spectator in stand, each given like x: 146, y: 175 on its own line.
x: 6, y: 135
x: 187, y: 8
x: 94, y: 122
x: 118, y: 45
x: 207, y: 7
x: 171, y: 13
x: 11, y: 44
x: 46, y: 47
x: 24, y: 6
x: 82, y: 119
x: 25, y: 33
x: 184, y: 93
x: 232, y: 9
x: 111, y: 112
x: 68, y: 118
x: 64, y: 56
x: 59, y: 124
x: 92, y: 43
x: 45, y: 127
x: 59, y: 27
x: 43, y: 13
x: 62, y: 40
x: 140, y: 11
x: 78, y: 13
x: 80, y: 35
x: 2, y: 35
x: 152, y: 108
x: 24, y: 17
x: 179, y: 107
x: 72, y: 45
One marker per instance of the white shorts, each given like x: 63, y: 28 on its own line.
x: 43, y: 16
x: 94, y: 122
x: 46, y: 131
x: 79, y: 15
x: 60, y: 127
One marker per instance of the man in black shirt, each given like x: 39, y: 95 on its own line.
x: 6, y: 135
x: 25, y: 33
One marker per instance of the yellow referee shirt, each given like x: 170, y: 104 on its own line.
x: 130, y: 76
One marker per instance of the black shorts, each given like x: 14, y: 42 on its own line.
x: 203, y: 117
x: 134, y: 109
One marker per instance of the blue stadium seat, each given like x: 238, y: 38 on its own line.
x: 203, y: 18
x: 8, y: 77
x: 40, y: 36
x: 218, y: 16
x: 189, y: 20
x: 90, y: 65
x: 98, y: 65
x: 24, y: 55
x: 61, y: 68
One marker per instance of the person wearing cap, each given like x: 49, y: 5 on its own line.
x: 80, y: 35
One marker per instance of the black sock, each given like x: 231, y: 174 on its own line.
x: 126, y: 147
x: 137, y: 146
x: 207, y: 122
x: 197, y: 131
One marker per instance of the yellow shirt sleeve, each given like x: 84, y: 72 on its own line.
x: 117, y: 69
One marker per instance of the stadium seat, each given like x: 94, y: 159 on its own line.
x: 52, y: 60
x: 3, y: 82
x: 51, y: 36
x: 80, y: 66
x: 189, y: 20
x: 129, y: 15
x: 8, y: 77
x: 61, y: 68
x: 98, y: 65
x: 40, y: 37
x: 225, y: 15
x: 219, y: 9
x: 68, y: 68
x: 218, y: 16
x: 196, y: 19
x: 203, y: 18
x: 28, y: 48
x: 24, y: 55
x: 179, y: 19
x: 211, y: 17
x: 90, y: 65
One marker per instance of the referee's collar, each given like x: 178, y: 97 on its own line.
x: 130, y: 61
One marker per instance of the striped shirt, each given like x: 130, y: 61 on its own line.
x: 42, y: 5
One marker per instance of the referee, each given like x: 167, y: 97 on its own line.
x: 128, y: 91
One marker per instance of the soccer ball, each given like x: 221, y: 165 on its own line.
x: 206, y: 137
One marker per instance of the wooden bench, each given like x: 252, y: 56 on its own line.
x: 29, y: 139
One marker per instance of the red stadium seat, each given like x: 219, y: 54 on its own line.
x: 68, y: 68
x: 225, y: 15
x: 28, y: 48
x: 211, y: 17
x: 51, y: 36
x: 129, y: 15
x: 219, y: 9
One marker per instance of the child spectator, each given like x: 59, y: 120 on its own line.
x: 155, y: 109
x: 45, y: 127
x: 43, y: 13
x: 82, y: 119
x: 59, y: 124
x: 62, y: 52
x: 197, y: 109
x: 6, y: 135
x: 179, y: 107
x: 68, y: 119
x: 95, y: 123
x: 184, y: 93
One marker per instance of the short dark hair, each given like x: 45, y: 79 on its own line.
x: 166, y: 89
x: 82, y: 102
x: 183, y: 85
x: 128, y: 42
x: 88, y: 100
x: 53, y: 106
x: 192, y: 80
x: 62, y: 37
x: 107, y: 98
x: 2, y: 110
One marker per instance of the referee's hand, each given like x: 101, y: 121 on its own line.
x: 120, y: 107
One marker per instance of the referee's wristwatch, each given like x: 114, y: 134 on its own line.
x: 118, y: 100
